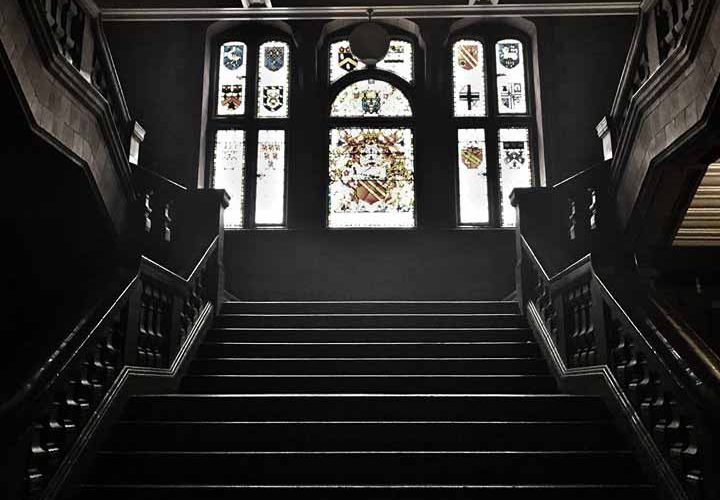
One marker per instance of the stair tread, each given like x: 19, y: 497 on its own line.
x: 280, y: 396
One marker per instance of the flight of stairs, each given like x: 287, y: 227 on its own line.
x: 351, y: 400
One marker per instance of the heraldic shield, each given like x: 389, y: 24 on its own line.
x: 468, y: 56
x: 346, y: 59
x: 472, y: 157
x: 509, y: 55
x: 273, y: 97
x: 514, y: 154
x: 371, y: 102
x: 233, y: 56
x: 274, y: 58
x: 232, y: 96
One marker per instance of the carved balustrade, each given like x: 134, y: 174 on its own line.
x: 72, y: 30
x: 595, y: 313
x: 144, y: 319
x: 662, y: 29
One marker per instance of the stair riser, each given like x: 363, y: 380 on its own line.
x: 370, y: 307
x: 363, y: 436
x: 227, y: 350
x: 487, y: 366
x: 259, y: 408
x: 371, y: 321
x: 490, y: 384
x: 496, y: 493
x: 334, y: 468
x: 299, y: 335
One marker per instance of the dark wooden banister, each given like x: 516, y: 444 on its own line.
x: 663, y: 44
x: 598, y: 312
x: 143, y: 321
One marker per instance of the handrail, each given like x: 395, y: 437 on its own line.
x: 663, y: 44
x: 699, y: 348
x: 666, y: 373
x: 146, y: 321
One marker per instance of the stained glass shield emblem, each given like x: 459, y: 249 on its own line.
x: 232, y: 96
x: 273, y: 97
x: 346, y: 59
x: 514, y: 154
x: 509, y: 54
x: 468, y: 57
x: 274, y: 57
x: 233, y: 56
x: 472, y: 157
x: 371, y: 102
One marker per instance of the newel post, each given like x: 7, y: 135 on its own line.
x: 133, y: 321
x: 526, y: 202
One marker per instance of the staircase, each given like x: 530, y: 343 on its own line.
x: 358, y: 400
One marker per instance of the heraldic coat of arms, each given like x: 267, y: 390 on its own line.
x: 371, y: 102
x: 273, y: 97
x: 468, y: 56
x: 346, y: 59
x: 509, y: 55
x: 274, y: 57
x: 233, y: 56
x: 514, y: 154
x: 472, y: 157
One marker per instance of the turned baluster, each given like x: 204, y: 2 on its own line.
x: 148, y: 211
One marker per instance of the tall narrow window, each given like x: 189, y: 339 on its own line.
x: 273, y: 80
x: 229, y: 172
x: 515, y: 167
x: 472, y: 176
x: 468, y: 78
x: 248, y: 128
x: 510, y: 74
x: 232, y: 81
x: 494, y: 135
x: 270, y: 184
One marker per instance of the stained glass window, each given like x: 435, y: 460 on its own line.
x: 270, y: 182
x: 515, y: 167
x: 369, y: 98
x: 510, y: 68
x: 232, y: 82
x: 229, y: 173
x: 273, y: 90
x: 371, y: 178
x: 468, y: 63
x: 472, y: 176
x: 399, y: 60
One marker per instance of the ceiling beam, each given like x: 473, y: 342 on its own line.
x: 387, y: 12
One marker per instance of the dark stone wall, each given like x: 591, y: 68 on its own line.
x: 161, y: 69
x: 581, y: 60
x: 58, y: 242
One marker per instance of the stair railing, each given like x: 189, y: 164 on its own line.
x: 595, y: 319
x: 146, y: 323
x: 72, y: 30
x: 665, y: 38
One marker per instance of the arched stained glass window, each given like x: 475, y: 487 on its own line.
x: 249, y: 142
x: 510, y: 72
x: 399, y: 60
x: 369, y: 98
x: 232, y: 81
x: 273, y: 94
x: 494, y: 136
x: 468, y: 71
